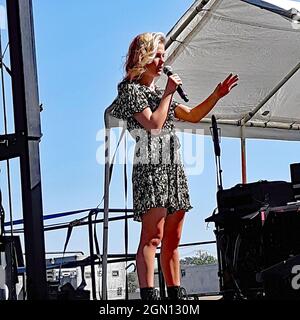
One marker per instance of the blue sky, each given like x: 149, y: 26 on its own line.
x: 80, y: 52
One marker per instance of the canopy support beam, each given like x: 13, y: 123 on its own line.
x: 252, y: 113
x: 173, y: 37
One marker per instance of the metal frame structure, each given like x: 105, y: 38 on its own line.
x: 24, y: 143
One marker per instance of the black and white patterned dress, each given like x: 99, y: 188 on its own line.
x: 158, y: 176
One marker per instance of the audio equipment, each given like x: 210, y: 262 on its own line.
x: 295, y: 178
x: 256, y: 227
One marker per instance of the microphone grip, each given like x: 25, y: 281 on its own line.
x: 182, y: 94
x: 180, y: 91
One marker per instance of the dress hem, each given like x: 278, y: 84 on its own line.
x: 137, y: 216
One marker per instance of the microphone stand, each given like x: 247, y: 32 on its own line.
x: 219, y: 173
x: 215, y: 135
x: 221, y: 258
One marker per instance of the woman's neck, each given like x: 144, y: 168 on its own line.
x: 147, y: 81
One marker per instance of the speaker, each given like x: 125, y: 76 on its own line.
x: 244, y: 199
x: 256, y: 227
x: 281, y: 280
x: 295, y: 178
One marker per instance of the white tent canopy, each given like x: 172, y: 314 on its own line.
x: 262, y: 47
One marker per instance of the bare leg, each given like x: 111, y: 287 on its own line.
x: 169, y: 249
x: 151, y: 235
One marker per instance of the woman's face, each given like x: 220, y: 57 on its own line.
x: 155, y: 68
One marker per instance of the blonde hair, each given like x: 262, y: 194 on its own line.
x: 141, y: 52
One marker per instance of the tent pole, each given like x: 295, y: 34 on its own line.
x: 243, y: 156
x: 173, y: 37
x: 105, y: 214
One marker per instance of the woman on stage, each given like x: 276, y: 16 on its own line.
x: 160, y: 188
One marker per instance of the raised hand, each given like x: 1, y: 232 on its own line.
x: 223, y: 88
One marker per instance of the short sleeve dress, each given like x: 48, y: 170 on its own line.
x: 158, y: 176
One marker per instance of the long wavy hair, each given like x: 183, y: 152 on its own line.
x: 141, y: 52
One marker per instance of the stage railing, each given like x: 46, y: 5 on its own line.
x: 95, y: 258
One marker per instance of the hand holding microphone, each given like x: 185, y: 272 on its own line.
x: 168, y: 71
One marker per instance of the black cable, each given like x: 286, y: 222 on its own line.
x: 69, y: 232
x: 95, y: 212
x: 5, y: 50
x: 126, y: 216
x: 98, y: 253
x: 112, y: 161
x: 2, y: 215
x: 6, y: 67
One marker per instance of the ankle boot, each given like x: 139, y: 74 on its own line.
x: 175, y: 293
x: 149, y: 293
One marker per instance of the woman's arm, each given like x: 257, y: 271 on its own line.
x: 155, y: 120
x: 195, y: 114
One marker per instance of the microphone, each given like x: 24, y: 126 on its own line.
x: 215, y: 135
x: 168, y: 71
